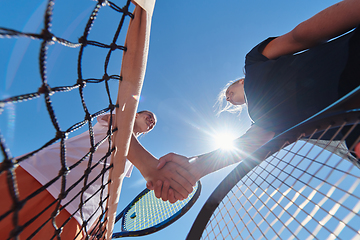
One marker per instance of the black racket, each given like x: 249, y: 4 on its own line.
x: 293, y: 168
x: 147, y: 214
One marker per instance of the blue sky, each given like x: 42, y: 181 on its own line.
x: 196, y: 47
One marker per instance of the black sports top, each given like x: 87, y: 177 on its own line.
x: 285, y: 91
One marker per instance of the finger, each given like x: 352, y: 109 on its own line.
x: 178, y: 186
x: 161, y: 163
x: 171, y: 196
x: 164, y: 159
x: 177, y: 181
x: 188, y: 176
x: 165, y: 189
x: 149, y: 185
x: 181, y: 177
x: 178, y: 196
x: 157, y: 188
x: 181, y: 161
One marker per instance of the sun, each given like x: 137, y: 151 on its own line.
x: 224, y: 141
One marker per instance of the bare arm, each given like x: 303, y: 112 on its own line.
x: 329, y: 23
x: 146, y: 163
x: 254, y: 138
x: 207, y: 163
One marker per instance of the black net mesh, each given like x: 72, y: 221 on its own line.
x: 96, y: 169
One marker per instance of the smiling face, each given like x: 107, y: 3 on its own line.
x: 144, y: 122
x: 235, y: 93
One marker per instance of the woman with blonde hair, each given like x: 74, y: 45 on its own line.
x: 288, y: 79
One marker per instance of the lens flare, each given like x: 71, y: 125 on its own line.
x: 11, y: 115
x: 136, y: 97
x: 225, y: 141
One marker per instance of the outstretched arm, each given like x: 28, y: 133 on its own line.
x: 179, y: 178
x: 329, y: 23
x: 207, y: 163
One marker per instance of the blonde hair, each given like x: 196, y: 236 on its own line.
x: 227, y: 107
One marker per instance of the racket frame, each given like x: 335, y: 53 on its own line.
x: 158, y: 226
x: 345, y: 108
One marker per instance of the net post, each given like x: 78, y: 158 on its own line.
x: 133, y: 72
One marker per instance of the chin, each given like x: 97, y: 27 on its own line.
x: 239, y: 103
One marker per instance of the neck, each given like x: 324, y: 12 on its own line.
x: 137, y: 134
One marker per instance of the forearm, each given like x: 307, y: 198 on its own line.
x: 140, y: 157
x: 329, y: 23
x: 216, y: 160
x: 146, y: 163
x: 244, y: 146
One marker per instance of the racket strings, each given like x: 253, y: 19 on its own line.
x: 149, y: 211
x: 304, y: 190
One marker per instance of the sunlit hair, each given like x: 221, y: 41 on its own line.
x: 147, y: 111
x: 227, y: 106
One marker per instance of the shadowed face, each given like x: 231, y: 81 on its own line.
x: 145, y: 121
x: 235, y: 93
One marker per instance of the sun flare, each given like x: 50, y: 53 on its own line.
x: 224, y: 141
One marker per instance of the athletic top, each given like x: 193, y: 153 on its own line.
x: 285, y: 91
x: 45, y: 166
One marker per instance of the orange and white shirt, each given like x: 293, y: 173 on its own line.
x: 45, y: 166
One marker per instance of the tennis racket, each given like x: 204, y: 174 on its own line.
x: 147, y: 214
x: 297, y: 186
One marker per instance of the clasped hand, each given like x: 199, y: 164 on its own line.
x: 178, y: 189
